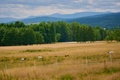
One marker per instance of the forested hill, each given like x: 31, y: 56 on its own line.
x: 105, y: 20
x: 108, y: 20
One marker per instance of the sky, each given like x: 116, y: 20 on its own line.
x: 26, y: 8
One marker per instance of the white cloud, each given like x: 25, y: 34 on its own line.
x: 25, y: 8
x: 78, y: 1
x: 118, y: 4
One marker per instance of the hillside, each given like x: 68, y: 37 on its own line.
x: 104, y: 20
x: 108, y: 20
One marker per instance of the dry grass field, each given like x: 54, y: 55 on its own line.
x: 61, y: 61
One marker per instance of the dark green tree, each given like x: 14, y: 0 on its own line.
x: 117, y: 34
x: 28, y: 36
x: 78, y: 34
x: 2, y: 31
x: 39, y: 38
x: 64, y: 30
x: 74, y: 28
x: 110, y: 35
x: 19, y: 24
x: 103, y: 33
x: 83, y: 33
x: 90, y: 32
x: 58, y: 36
x: 10, y: 37
x: 97, y: 35
x: 53, y: 32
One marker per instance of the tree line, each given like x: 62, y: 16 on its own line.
x: 18, y: 33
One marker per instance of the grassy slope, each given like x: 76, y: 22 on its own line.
x: 55, y: 66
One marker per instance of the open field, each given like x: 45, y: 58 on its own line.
x: 61, y: 61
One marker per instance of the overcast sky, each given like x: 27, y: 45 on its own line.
x: 25, y: 8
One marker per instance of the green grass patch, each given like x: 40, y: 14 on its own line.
x: 67, y: 77
x: 93, y: 57
x: 8, y: 77
x: 111, y: 70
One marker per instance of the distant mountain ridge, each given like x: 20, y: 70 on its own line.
x: 103, y: 19
x: 7, y: 19
x: 41, y: 19
x: 56, y: 15
x: 77, y: 15
x: 61, y: 17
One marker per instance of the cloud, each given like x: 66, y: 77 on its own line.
x: 118, y: 4
x: 78, y: 1
x: 25, y: 8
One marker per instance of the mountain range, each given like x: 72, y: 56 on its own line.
x: 103, y: 19
x: 77, y: 15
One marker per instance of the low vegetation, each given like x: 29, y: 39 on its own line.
x: 61, y: 61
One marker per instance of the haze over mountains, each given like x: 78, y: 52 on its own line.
x: 7, y: 19
x: 103, y: 19
x: 77, y: 15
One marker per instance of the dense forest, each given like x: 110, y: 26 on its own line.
x: 18, y: 33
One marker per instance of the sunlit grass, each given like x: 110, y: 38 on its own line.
x: 61, y: 61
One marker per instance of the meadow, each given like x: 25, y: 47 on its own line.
x: 61, y: 61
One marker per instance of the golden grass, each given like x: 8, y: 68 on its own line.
x: 85, y: 61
